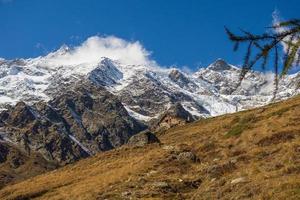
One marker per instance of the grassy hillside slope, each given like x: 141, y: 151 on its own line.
x: 247, y: 155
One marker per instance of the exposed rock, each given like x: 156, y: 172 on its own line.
x: 276, y: 138
x: 187, y: 157
x: 176, y: 115
x: 161, y: 185
x: 17, y: 165
x: 20, y: 115
x: 181, y: 80
x: 126, y: 194
x: 169, y: 148
x: 105, y: 73
x: 76, y: 123
x: 151, y: 173
x: 4, y: 150
x: 239, y: 180
x: 193, y: 183
x: 220, y: 65
x: 143, y: 138
x: 216, y: 171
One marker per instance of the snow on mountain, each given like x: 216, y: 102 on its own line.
x: 145, y: 89
x: 256, y: 89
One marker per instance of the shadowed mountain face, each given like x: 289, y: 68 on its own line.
x: 17, y: 164
x: 75, y: 124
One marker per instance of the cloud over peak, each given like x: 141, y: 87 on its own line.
x: 95, y: 47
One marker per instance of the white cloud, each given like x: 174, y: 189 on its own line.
x: 95, y: 47
x: 187, y: 69
x: 276, y: 20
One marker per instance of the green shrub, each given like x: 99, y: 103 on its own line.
x: 236, y: 130
x: 279, y: 112
x: 241, y: 124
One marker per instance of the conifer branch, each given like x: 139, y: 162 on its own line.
x: 286, y: 33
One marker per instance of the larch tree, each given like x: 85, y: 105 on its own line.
x: 279, y: 46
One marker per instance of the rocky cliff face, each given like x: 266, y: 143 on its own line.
x: 76, y: 123
x: 16, y: 164
x: 176, y: 115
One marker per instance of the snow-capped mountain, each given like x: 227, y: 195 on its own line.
x: 65, y: 107
x: 146, y: 91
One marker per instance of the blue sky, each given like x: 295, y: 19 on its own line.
x: 181, y: 32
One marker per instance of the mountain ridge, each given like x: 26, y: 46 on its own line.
x: 146, y: 90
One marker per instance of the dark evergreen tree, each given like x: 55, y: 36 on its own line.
x: 262, y: 47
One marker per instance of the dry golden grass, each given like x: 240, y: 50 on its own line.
x: 260, y: 146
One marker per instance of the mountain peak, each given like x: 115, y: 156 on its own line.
x: 175, y: 74
x: 219, y: 65
x: 106, y: 61
x: 63, y: 50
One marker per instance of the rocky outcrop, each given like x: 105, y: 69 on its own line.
x: 143, y: 138
x: 182, y: 81
x: 187, y: 156
x: 176, y: 115
x: 76, y: 123
x: 16, y: 165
